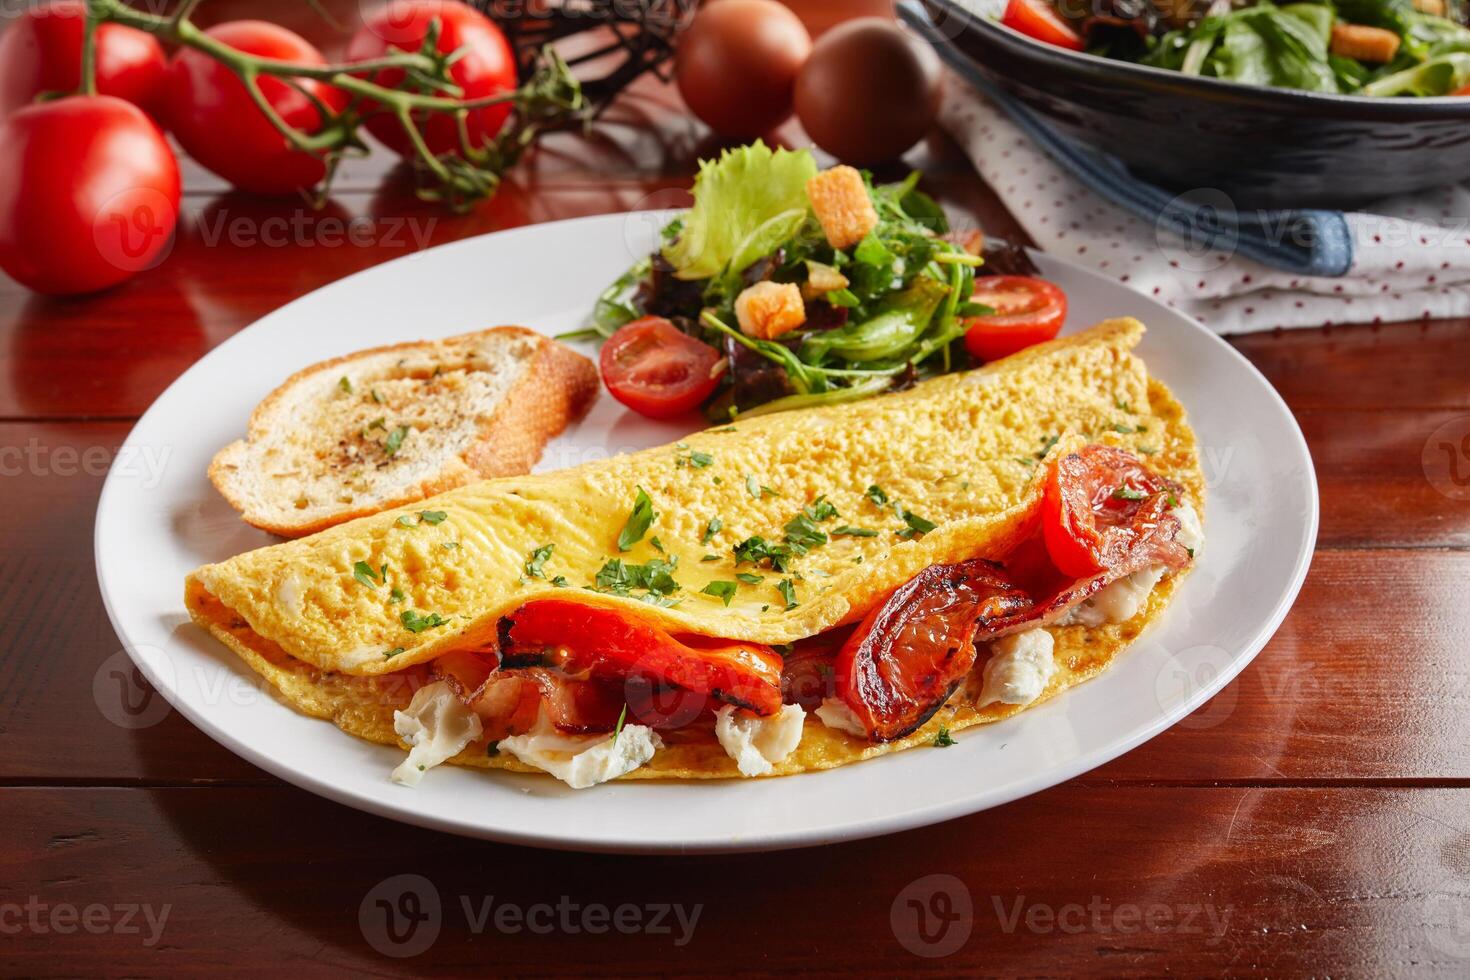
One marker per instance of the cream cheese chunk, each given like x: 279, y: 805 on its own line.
x: 1118, y: 602
x: 835, y: 714
x: 1191, y: 531
x: 755, y: 743
x: 1019, y: 668
x: 581, y: 761
x: 437, y: 726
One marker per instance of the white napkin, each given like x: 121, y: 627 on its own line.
x: 1411, y: 254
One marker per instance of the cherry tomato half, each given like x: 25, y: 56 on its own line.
x: 1027, y: 311
x: 217, y: 122
x: 657, y: 370
x: 1102, y: 509
x: 486, y: 67
x: 89, y: 194
x: 42, y: 52
x: 1037, y: 19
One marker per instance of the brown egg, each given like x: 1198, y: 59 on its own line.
x: 737, y: 62
x: 869, y: 91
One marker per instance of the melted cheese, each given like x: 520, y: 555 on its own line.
x: 1019, y: 668
x: 437, y: 727
x: 581, y: 761
x: 757, y: 744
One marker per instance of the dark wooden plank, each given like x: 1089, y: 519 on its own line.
x: 1079, y: 881
x: 1367, y: 678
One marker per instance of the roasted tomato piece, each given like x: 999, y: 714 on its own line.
x: 509, y: 701
x: 908, y: 656
x: 1103, y: 510
x: 577, y: 637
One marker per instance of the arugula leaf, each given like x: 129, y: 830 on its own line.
x: 638, y: 523
x: 746, y: 204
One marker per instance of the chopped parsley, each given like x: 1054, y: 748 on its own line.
x: 1122, y: 429
x: 657, y: 544
x: 1126, y: 492
x: 560, y: 582
x: 408, y: 520
x: 721, y: 590
x: 345, y: 385
x: 710, y: 558
x: 450, y: 545
x: 1172, y: 500
x: 389, y: 655
x: 620, y: 578
x: 787, y: 588
x: 916, y: 524
x: 1123, y: 406
x: 396, y: 595
x: 1046, y: 446
x: 1147, y: 450
x: 696, y: 459
x: 639, y: 520
x: 364, y: 573
x: 395, y: 440
x: 750, y: 578
x: 536, y: 561
x: 943, y: 740
x: 416, y: 623
x: 622, y: 717
x: 711, y: 529
x: 877, y: 495
x: 432, y: 516
x: 756, y: 549
x: 847, y: 530
x: 375, y: 396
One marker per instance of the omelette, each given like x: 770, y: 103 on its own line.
x: 790, y: 592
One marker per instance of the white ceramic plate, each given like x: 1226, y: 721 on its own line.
x: 159, y: 518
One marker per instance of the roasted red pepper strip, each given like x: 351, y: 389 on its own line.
x: 577, y: 637
x: 906, y: 658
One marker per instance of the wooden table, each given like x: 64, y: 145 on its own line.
x: 1313, y: 818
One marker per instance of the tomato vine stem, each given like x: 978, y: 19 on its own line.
x: 550, y: 98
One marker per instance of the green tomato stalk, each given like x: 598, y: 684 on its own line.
x: 551, y: 98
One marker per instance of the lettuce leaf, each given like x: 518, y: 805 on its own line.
x: 1438, y: 76
x: 746, y: 205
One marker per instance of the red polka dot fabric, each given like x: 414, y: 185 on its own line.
x: 1411, y: 253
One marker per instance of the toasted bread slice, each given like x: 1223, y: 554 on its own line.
x: 384, y: 427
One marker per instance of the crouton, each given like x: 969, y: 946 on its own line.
x: 1371, y: 44
x: 840, y: 199
x: 769, y: 309
x: 1432, y: 7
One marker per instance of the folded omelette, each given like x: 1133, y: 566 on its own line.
x: 796, y: 549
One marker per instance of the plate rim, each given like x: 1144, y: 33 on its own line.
x: 853, y: 829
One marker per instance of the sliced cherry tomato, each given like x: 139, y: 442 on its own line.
x: 1037, y: 19
x: 1027, y: 311
x: 1462, y: 91
x: 908, y: 655
x: 657, y: 370
x: 578, y: 637
x: 1102, y: 509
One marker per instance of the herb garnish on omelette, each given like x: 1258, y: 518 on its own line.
x: 905, y: 567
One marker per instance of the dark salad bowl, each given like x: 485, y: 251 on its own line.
x: 1264, y: 147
